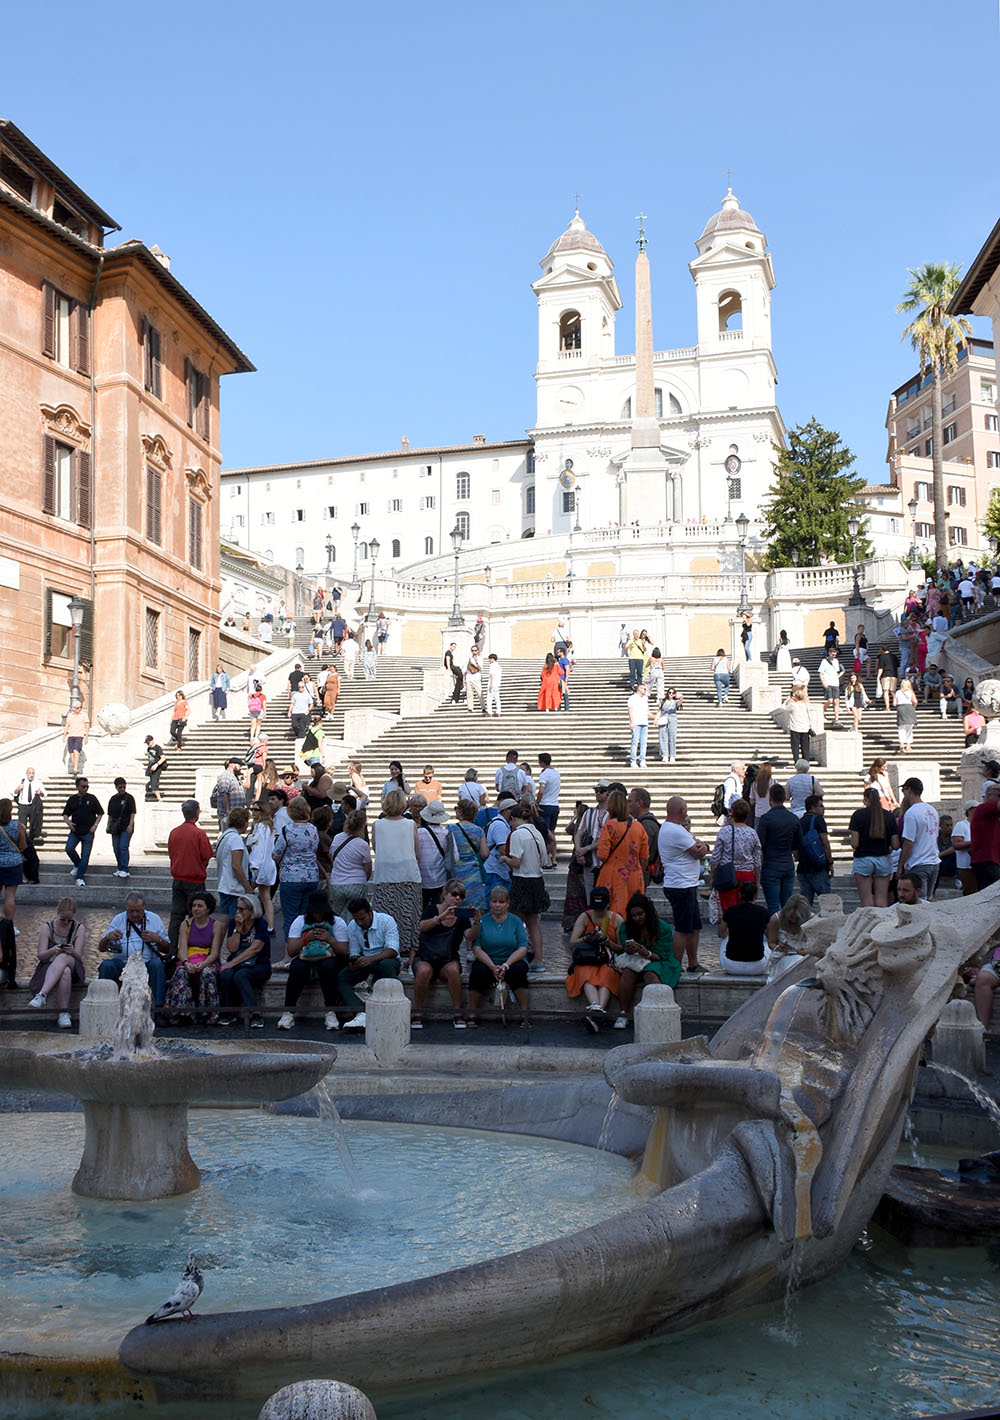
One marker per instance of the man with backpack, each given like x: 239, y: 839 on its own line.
x: 815, y: 853
x: 640, y: 808
x: 729, y: 790
x: 510, y: 778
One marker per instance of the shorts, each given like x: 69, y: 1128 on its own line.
x: 481, y: 979
x: 74, y: 743
x: 873, y: 866
x: 831, y: 692
x: 437, y: 965
x: 889, y: 683
x: 684, y: 906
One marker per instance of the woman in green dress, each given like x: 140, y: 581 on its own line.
x: 647, y: 953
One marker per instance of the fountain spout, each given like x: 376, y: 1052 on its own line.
x: 134, y: 1030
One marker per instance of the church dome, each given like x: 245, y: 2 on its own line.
x: 575, y: 238
x: 731, y: 218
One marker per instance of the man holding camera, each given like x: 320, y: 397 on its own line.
x: 136, y: 930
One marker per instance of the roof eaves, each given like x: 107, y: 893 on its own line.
x: 371, y: 458
x: 55, y: 229
x: 55, y: 175
x: 979, y: 273
x: 126, y: 251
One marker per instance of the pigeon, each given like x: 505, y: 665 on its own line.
x: 184, y: 1295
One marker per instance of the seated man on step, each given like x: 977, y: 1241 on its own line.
x: 136, y: 930
x: 373, y: 953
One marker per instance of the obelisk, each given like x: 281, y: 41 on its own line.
x: 646, y: 472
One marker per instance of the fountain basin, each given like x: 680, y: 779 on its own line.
x: 136, y: 1109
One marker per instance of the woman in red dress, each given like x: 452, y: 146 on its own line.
x: 550, y: 693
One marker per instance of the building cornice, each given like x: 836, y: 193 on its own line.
x: 398, y: 456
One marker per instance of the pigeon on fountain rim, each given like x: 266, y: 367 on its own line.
x: 184, y: 1295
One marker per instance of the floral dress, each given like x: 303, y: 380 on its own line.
x: 466, y: 864
x: 624, y: 852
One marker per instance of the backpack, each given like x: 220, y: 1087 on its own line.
x: 812, y: 854
x: 749, y: 779
x: 654, y: 865
x: 718, y: 807
x: 510, y: 780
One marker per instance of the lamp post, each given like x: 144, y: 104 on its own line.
x: 299, y: 569
x: 795, y: 556
x: 355, y: 533
x: 456, y: 618
x: 742, y: 528
x: 77, y: 607
x: 329, y: 555
x: 912, y: 507
x: 853, y: 527
x: 373, y: 548
x: 576, y: 507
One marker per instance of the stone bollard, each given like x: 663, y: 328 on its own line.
x: 387, y: 1021
x: 99, y: 1010
x: 958, y: 1039
x: 657, y: 1017
x: 318, y: 1400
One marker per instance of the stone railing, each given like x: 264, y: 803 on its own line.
x: 686, y: 353
x: 730, y: 335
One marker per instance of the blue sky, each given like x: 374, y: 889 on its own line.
x: 362, y: 195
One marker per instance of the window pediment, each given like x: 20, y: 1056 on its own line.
x: 63, y: 421
x: 198, y: 483
x: 156, y: 451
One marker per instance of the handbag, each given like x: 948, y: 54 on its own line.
x: 725, y: 873
x: 591, y: 949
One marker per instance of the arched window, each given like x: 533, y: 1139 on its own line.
x: 463, y: 486
x: 428, y: 547
x: 363, y: 551
x: 529, y: 500
x: 730, y: 311
x: 395, y: 547
x: 462, y: 523
x: 331, y: 553
x: 627, y: 408
x: 674, y: 406
x: 570, y: 331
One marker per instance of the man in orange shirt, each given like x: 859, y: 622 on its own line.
x: 429, y: 786
x: 190, y: 851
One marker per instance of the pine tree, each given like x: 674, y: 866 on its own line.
x: 811, y: 500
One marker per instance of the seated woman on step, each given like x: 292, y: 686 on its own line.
x: 593, y: 939
x: 499, y: 945
x: 60, y: 960
x: 646, y: 953
x: 196, y: 977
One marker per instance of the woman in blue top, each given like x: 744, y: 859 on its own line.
x: 500, y: 948
x: 248, y: 963
x: 468, y: 849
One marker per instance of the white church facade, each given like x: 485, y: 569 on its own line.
x: 675, y: 442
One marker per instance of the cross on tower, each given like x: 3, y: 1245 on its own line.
x: 576, y: 201
x: 641, y: 239
x: 729, y: 179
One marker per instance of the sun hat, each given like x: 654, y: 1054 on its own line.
x: 434, y: 812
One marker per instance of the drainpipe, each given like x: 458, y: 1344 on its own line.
x: 93, y: 478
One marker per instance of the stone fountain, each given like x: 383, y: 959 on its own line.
x: 135, y: 1093
x: 766, y: 1153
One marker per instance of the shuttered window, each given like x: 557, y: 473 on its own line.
x: 59, y: 623
x: 151, y: 655
x: 151, y: 362
x: 83, y: 488
x: 66, y: 482
x: 154, y: 504
x: 194, y: 654
x: 194, y: 533
x: 65, y: 330
x: 199, y: 392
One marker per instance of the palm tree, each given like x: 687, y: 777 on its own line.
x: 937, y: 338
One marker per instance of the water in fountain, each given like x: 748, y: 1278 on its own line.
x: 910, y: 1135
x: 981, y: 1096
x: 134, y: 1028
x: 787, y: 1331
x: 326, y: 1108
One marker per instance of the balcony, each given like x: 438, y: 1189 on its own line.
x: 730, y: 335
x: 570, y: 354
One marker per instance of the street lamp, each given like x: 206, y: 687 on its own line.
x: 853, y: 527
x: 355, y: 533
x: 795, y: 556
x: 457, y: 538
x: 912, y: 506
x: 742, y: 528
x: 77, y: 608
x: 576, y: 506
x: 373, y: 548
x: 329, y: 555
x: 299, y: 569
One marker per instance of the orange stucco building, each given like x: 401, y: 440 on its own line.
x: 109, y: 454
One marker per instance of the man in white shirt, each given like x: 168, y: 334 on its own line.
x: 966, y: 591
x: 638, y: 720
x: 830, y: 672
x: 474, y: 682
x: 547, y: 797
x: 961, y: 841
x: 29, y: 796
x: 681, y: 854
x: 919, y: 846
x: 800, y: 675
x: 510, y: 778
x: 494, y: 679
x: 299, y: 705
x: 589, y: 831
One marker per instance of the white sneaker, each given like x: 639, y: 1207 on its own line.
x: 620, y: 1022
x: 64, y: 1021
x: 73, y: 872
x: 121, y: 873
x: 286, y: 1021
x: 358, y: 1023
x: 330, y: 1021
x: 38, y: 1002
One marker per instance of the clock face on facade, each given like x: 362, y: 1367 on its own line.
x: 733, y: 465
x: 571, y: 395
x: 567, y: 478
